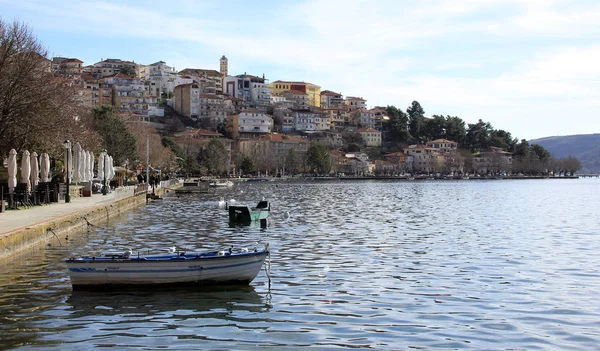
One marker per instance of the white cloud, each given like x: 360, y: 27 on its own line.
x: 561, y: 18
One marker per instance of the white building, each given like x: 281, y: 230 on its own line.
x: 277, y: 99
x: 254, y: 122
x: 305, y: 121
x: 322, y: 121
x: 252, y: 89
x: 160, y: 78
x: 212, y: 108
x: 186, y: 100
x: 128, y: 94
x: 355, y: 103
x: 366, y: 118
x: 110, y: 67
x: 331, y: 99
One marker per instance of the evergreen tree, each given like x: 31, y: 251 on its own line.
x: 292, y: 161
x: 317, y: 158
x: 455, y: 130
x: 397, y: 125
x: 416, y: 122
x: 116, y: 138
x: 213, y: 157
x: 478, y: 136
x: 247, y: 165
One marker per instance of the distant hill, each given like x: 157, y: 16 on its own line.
x: 586, y: 147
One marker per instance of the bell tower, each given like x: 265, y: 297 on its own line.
x: 223, y: 66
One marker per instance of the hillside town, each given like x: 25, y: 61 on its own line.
x: 262, y: 119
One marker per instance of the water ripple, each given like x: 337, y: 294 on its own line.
x: 499, y: 265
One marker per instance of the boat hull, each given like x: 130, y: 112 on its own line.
x: 246, y: 214
x: 213, y: 269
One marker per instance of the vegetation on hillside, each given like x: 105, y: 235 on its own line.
x: 584, y: 148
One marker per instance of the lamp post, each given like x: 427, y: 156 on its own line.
x: 67, y: 145
x: 104, y: 191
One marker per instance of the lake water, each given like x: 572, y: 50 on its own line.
x: 380, y: 265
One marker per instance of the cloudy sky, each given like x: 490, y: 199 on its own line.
x: 529, y: 67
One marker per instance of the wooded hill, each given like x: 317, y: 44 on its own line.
x: 585, y: 147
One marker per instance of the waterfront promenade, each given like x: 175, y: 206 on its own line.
x: 15, y: 220
x: 31, y: 226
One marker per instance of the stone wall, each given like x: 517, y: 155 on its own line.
x: 22, y: 240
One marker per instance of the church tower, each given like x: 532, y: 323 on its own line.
x: 224, y: 66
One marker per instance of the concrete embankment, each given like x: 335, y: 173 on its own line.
x: 26, y: 229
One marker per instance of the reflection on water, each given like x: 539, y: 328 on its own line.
x: 366, y: 265
x: 152, y: 302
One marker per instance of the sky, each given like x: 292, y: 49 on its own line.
x: 528, y: 67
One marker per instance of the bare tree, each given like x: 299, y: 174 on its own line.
x: 160, y: 156
x: 37, y: 109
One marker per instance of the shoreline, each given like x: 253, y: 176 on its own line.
x: 402, y: 179
x: 57, y: 220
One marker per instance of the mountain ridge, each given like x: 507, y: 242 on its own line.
x: 585, y: 147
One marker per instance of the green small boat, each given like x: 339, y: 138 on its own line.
x: 246, y: 214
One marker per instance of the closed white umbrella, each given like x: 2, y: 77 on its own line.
x: 100, y: 166
x: 35, y: 170
x: 12, y: 170
x: 107, y: 167
x: 111, y: 168
x: 76, y: 160
x: 26, y: 169
x: 82, y: 165
x: 91, y: 161
x: 86, y: 166
x: 45, y: 167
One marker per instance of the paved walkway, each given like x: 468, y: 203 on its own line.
x: 13, y: 220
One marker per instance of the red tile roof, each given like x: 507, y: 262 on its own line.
x: 330, y: 93
x: 419, y: 147
x: 281, y: 138
x: 199, y: 71
x: 394, y: 154
x: 335, y: 109
x: 233, y: 98
x: 288, y: 82
x: 209, y: 96
x: 252, y: 111
x: 88, y: 77
x: 367, y: 130
x: 442, y: 141
x: 119, y: 75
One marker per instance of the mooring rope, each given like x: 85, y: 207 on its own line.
x: 52, y: 231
